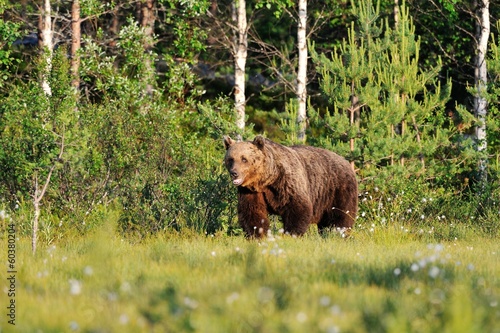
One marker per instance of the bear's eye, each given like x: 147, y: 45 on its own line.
x: 244, y: 160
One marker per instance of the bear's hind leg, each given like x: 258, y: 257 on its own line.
x: 335, y: 220
x: 297, y: 219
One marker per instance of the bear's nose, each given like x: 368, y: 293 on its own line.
x: 233, y: 174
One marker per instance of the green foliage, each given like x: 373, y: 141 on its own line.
x: 278, y: 5
x: 34, y: 127
x: 423, y: 210
x: 289, y: 123
x: 387, y: 113
x: 162, y: 154
x: 182, y: 17
x: 493, y: 121
x: 94, y: 7
x: 444, y: 27
x: 157, y: 157
x: 9, y: 32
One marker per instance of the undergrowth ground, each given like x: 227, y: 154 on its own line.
x: 382, y: 279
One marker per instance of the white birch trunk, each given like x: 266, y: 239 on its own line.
x: 148, y: 22
x: 75, y: 43
x: 302, y: 71
x: 240, y: 58
x: 46, y: 44
x: 396, y: 13
x: 480, y: 79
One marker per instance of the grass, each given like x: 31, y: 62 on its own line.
x: 383, y: 279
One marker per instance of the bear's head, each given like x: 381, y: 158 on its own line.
x: 245, y: 161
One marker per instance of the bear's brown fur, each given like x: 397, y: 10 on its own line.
x: 302, y: 184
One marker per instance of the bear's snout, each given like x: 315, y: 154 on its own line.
x: 235, y: 176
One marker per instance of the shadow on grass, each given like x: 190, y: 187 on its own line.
x: 389, y: 277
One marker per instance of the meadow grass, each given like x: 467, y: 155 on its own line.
x: 382, y: 279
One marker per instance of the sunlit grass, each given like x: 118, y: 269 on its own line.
x: 388, y: 279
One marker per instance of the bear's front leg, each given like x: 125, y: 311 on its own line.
x: 297, y: 218
x: 252, y: 213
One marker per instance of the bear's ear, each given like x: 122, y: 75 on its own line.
x: 259, y: 141
x: 228, y: 142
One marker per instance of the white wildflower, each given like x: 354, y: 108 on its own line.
x: 301, y: 317
x: 190, y: 303
x: 88, y: 270
x: 232, y: 298
x: 434, y: 272
x: 74, y: 326
x: 324, y: 301
x: 75, y: 287
x: 123, y: 320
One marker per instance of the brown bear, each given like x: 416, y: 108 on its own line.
x: 302, y: 184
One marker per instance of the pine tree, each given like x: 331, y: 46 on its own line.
x: 493, y: 116
x: 385, y: 110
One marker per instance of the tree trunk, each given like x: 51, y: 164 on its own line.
x: 419, y: 141
x: 396, y: 12
x: 147, y: 18
x: 36, y: 216
x: 46, y: 44
x: 146, y: 14
x: 354, y: 110
x: 114, y: 27
x: 75, y: 44
x: 302, y: 71
x: 240, y: 58
x: 38, y: 194
x: 480, y: 79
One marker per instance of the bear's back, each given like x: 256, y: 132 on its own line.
x: 320, y: 157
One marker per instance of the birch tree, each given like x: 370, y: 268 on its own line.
x: 302, y: 71
x: 229, y: 26
x: 480, y: 82
x: 396, y: 12
x: 75, y: 43
x: 146, y: 16
x: 46, y: 44
x: 240, y: 57
x: 296, y: 122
